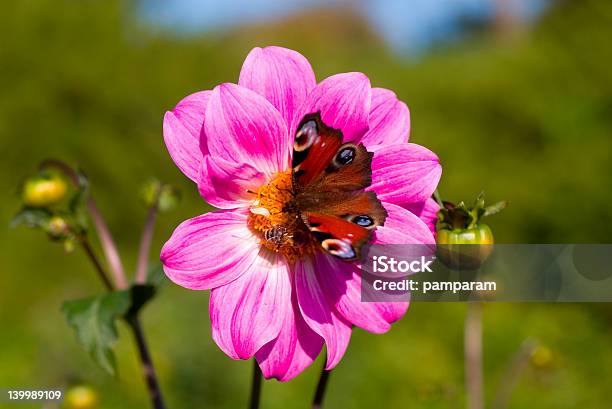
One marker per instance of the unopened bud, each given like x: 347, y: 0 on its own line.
x: 69, y: 245
x: 81, y: 397
x: 169, y: 198
x: 58, y: 227
x: 165, y: 197
x: 149, y: 191
x: 44, y: 190
x: 541, y: 357
x: 464, y: 242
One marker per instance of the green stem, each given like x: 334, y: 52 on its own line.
x: 114, y: 260
x: 96, y: 262
x: 108, y: 245
x: 474, y: 381
x: 511, y: 375
x: 145, y: 245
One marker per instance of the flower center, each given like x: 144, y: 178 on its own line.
x: 276, y: 220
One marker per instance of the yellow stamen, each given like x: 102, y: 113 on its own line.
x: 276, y: 220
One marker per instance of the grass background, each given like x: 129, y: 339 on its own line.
x: 528, y: 120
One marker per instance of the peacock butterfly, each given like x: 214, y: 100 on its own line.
x: 329, y: 179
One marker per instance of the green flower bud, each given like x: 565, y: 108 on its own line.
x: 169, y: 198
x: 58, y: 227
x: 44, y: 190
x: 463, y: 241
x: 149, y: 191
x: 155, y: 193
x: 80, y: 397
x: 542, y: 357
x: 69, y: 245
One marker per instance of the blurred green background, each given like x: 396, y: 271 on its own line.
x: 523, y: 111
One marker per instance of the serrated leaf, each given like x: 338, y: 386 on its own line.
x: 94, y: 320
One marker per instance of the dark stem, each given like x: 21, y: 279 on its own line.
x: 317, y: 402
x: 96, y: 262
x: 255, y: 386
x: 146, y: 363
x: 134, y: 324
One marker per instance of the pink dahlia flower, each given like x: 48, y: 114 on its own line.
x: 237, y: 139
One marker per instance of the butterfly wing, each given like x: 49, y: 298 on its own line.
x: 322, y: 162
x: 329, y: 179
x: 343, y: 222
x: 359, y: 207
x: 314, y: 146
x: 337, y: 236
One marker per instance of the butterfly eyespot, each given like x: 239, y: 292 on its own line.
x: 305, y: 136
x: 345, y: 156
x: 339, y: 248
x: 363, y: 220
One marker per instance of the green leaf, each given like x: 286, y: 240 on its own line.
x: 31, y: 217
x: 155, y: 274
x: 78, y: 202
x: 94, y: 320
x: 495, y: 208
x: 479, y: 202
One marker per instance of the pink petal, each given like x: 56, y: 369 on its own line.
x: 243, y: 127
x: 405, y: 173
x: 342, y: 284
x: 210, y: 250
x: 296, y: 347
x: 389, y: 120
x: 427, y: 211
x: 182, y: 127
x: 225, y: 184
x: 249, y: 312
x: 344, y: 102
x: 402, y: 227
x: 319, y: 314
x: 284, y: 77
x: 391, y: 311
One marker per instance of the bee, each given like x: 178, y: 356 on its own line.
x: 277, y: 235
x: 280, y: 235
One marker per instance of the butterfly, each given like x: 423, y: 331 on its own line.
x: 329, y: 178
